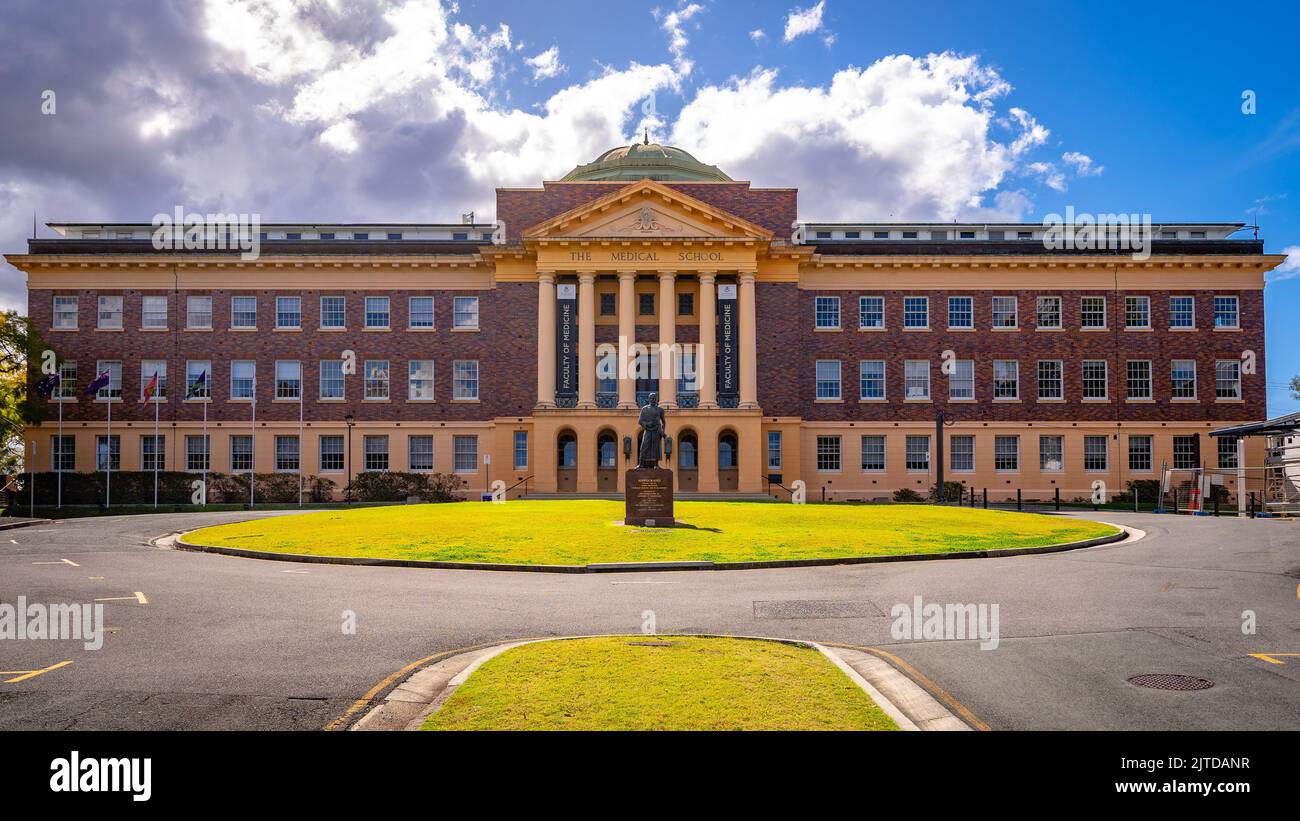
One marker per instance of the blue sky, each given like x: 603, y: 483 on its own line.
x: 372, y: 110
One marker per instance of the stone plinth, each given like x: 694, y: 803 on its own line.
x: 649, y: 497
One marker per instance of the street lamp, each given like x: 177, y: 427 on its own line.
x: 347, y: 466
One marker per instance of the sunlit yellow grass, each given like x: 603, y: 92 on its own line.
x: 584, y: 532
x: 683, y: 683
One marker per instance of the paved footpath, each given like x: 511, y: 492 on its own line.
x: 207, y: 641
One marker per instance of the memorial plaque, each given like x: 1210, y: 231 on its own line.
x: 649, y: 497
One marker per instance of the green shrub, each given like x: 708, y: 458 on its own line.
x: 906, y: 494
x: 952, y: 491
x: 394, y: 486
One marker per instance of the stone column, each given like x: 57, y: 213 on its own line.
x: 586, y: 340
x: 545, y: 339
x: 626, y: 339
x: 708, y: 348
x: 748, y: 342
x: 668, y: 339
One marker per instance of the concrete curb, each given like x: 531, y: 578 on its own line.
x: 24, y: 523
x: 407, y: 705
x: 641, y: 567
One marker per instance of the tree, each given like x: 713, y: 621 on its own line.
x: 1295, y: 387
x: 20, y: 354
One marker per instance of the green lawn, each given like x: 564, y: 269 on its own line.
x: 584, y: 532
x: 680, y: 683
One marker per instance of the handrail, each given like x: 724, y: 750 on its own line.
x: 778, y: 484
x: 520, y: 482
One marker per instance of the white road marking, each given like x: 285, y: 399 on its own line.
x: 139, y: 597
x: 60, y: 561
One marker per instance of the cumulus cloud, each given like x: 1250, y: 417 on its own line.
x: 674, y: 24
x: 1289, y: 269
x: 547, y: 64
x: 804, y: 21
x: 1082, y: 164
x: 757, y: 35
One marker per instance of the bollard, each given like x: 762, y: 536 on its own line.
x: 972, y: 496
x: 986, y: 498
x: 1252, y: 504
x: 1019, y: 504
x: 1058, y: 500
x: 1216, y: 504
x: 1135, y: 499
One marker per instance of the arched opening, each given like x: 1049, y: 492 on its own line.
x: 688, y: 460
x: 607, y: 461
x: 728, y: 461
x: 566, y: 461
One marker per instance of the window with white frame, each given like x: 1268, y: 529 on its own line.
x: 153, y: 312
x: 1006, y: 379
x: 1092, y: 312
x: 1227, y: 448
x: 243, y: 312
x: 241, y: 453
x: 198, y: 453
x: 873, y: 453
x: 1094, y: 379
x: 108, y: 452
x: 918, y: 453
x: 688, y: 375
x: 63, y: 454
x: 962, y: 450
x: 871, y: 312
x: 419, y: 453
x: 65, y: 313
x: 464, y: 383
x: 827, y: 312
x: 376, y: 379
x: 375, y: 449
x: 916, y: 312
x: 198, y: 312
x: 828, y: 453
x: 961, y: 384
x: 1006, y: 453
x: 333, y: 312
x: 1095, y: 453
x: 465, y: 312
x: 1182, y: 312
x: 288, y: 312
x: 1187, y: 452
x: 1051, y: 454
x: 828, y: 379
x: 286, y: 453
x: 153, y: 452
x: 419, y: 380
x: 871, y: 379
x: 377, y: 312
x: 961, y: 312
x: 1227, y: 379
x: 521, y: 449
x: 916, y: 379
x: 1226, y: 312
x: 1049, y: 312
x: 331, y: 454
x: 288, y: 379
x: 1183, y: 375
x: 110, y: 312
x: 331, y: 379
x: 1137, y: 312
x: 465, y: 454
x: 774, y: 450
x: 113, y: 390
x: 67, y: 388
x: 420, y: 312
x: 148, y: 369
x: 1004, y: 312
x: 243, y: 373
x: 1139, y: 453
x: 1138, y: 377
x: 1051, y: 380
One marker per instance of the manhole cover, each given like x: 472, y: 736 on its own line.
x: 1170, y: 681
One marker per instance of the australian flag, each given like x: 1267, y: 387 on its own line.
x: 97, y: 383
x: 47, y: 385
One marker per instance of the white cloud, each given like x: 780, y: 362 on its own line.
x: 1051, y: 177
x: 1082, y: 164
x: 757, y: 35
x: 547, y: 64
x: 674, y: 24
x: 342, y: 137
x: 161, y: 124
x: 1289, y: 269
x: 804, y: 21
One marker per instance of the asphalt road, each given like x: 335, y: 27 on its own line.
x: 236, y: 643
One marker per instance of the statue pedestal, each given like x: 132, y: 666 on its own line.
x: 649, y: 497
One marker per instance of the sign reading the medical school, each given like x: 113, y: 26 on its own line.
x: 614, y: 259
x: 728, y: 349
x: 566, y: 341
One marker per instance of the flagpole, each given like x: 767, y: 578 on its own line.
x: 154, y: 399
x: 207, y: 447
x: 300, y: 447
x: 108, y: 455
x: 252, y: 456
x: 59, y: 457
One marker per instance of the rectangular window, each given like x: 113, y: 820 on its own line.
x: 243, y: 373
x: 63, y: 453
x: 377, y: 312
x: 1138, y: 373
x: 288, y: 379
x: 1227, y: 453
x: 465, y: 454
x: 1139, y: 453
x: 871, y: 379
x: 1004, y: 312
x: 331, y: 379
x: 607, y: 374
x: 1094, y: 379
x: 1183, y: 375
x: 65, y: 313
x: 464, y: 382
x: 1049, y: 312
x: 1227, y: 379
x: 916, y: 312
x: 198, y: 312
x: 288, y: 312
x: 962, y: 449
x: 148, y: 369
x: 828, y: 379
x: 1182, y: 312
x: 871, y: 312
x: 376, y: 451
x: 241, y: 453
x: 1006, y: 379
x: 961, y: 385
x: 465, y: 312
x: 376, y: 382
x: 419, y: 453
x: 421, y: 312
x: 197, y: 453
x: 1050, y: 379
x: 873, y: 454
x: 1092, y: 312
x: 419, y: 381
x: 918, y: 453
x: 113, y: 390
x: 1137, y: 312
x: 608, y: 303
x: 1187, y: 452
x: 110, y: 312
x: 828, y: 453
x: 687, y: 372
x: 1226, y: 312
x: 108, y: 452
x: 774, y: 450
x: 243, y: 312
x: 1051, y: 454
x: 646, y: 304
x: 916, y: 379
x: 961, y: 312
x: 827, y: 312
x: 153, y: 312
x: 333, y: 312
x: 1006, y: 453
x: 686, y: 304
x: 1095, y: 453
x: 67, y: 388
x: 521, y: 450
x: 331, y: 454
x: 286, y: 454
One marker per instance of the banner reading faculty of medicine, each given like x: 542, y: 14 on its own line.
x: 566, y: 342
x: 728, y: 355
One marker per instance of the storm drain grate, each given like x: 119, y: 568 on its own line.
x: 1170, y: 681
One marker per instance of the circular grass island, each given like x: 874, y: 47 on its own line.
x: 659, y: 683
x: 585, y: 532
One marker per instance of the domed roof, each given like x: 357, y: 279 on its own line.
x: 646, y: 160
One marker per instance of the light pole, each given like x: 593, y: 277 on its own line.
x: 347, y: 466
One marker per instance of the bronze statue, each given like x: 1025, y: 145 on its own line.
x: 651, y: 422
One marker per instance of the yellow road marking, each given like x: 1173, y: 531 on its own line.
x: 924, y: 681
x: 137, y: 596
x: 1272, y: 658
x: 26, y: 674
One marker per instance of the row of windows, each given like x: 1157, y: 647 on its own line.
x: 243, y: 312
x: 645, y: 303
x: 1004, y: 312
x: 199, y: 378
x: 1006, y: 379
x: 231, y: 237
x: 331, y: 458
x: 1006, y: 453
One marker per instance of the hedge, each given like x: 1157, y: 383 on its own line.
x: 174, y: 488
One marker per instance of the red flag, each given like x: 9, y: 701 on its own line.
x: 150, y: 389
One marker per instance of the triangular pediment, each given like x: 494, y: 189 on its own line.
x: 647, y: 210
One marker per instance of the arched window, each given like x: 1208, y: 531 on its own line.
x: 727, y: 451
x: 607, y: 447
x: 687, y: 452
x: 568, y: 450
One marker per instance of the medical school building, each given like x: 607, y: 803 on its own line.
x: 520, y: 349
